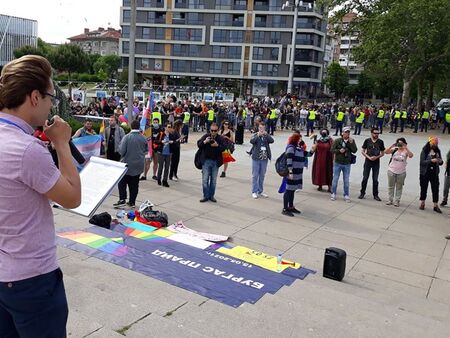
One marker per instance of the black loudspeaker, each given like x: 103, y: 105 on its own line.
x: 334, y: 263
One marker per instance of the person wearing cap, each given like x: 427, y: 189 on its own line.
x: 372, y: 150
x: 397, y: 169
x: 342, y: 148
x: 430, y: 160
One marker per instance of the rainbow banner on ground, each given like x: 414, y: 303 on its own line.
x: 156, y: 254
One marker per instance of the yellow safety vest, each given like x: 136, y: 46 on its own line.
x: 380, y: 114
x: 418, y: 117
x: 187, y: 117
x: 404, y: 115
x: 397, y: 114
x: 210, y: 115
x: 425, y: 115
x: 157, y: 115
x: 340, y: 116
x: 244, y: 114
x: 361, y: 117
x: 312, y: 115
x: 273, y: 114
x: 447, y: 117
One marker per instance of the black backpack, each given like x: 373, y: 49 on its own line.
x: 281, y: 166
x: 155, y: 216
x: 197, y: 160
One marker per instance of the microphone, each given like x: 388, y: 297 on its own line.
x: 73, y: 150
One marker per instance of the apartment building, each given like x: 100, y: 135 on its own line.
x: 228, y: 39
x: 101, y: 41
x: 15, y: 33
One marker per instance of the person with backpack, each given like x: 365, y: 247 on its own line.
x: 296, y: 155
x: 343, y: 149
x: 261, y: 155
x: 397, y: 169
x: 372, y: 150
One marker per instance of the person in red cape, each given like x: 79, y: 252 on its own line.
x: 322, y: 169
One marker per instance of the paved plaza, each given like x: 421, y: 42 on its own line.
x: 397, y: 281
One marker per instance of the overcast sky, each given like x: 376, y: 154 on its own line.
x: 60, y: 19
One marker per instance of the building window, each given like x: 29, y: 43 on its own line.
x: 272, y: 70
x: 194, y: 18
x: 279, y: 21
x: 147, y: 3
x: 126, y: 16
x: 197, y: 66
x: 178, y: 50
x: 179, y: 66
x: 223, y: 19
x: 219, y: 35
x: 194, y: 50
x: 274, y: 52
x: 160, y: 33
x: 234, y: 52
x: 240, y: 4
x: 258, y: 53
x: 234, y: 68
x: 275, y: 37
x: 126, y: 32
x: 146, y: 33
x: 259, y: 37
x: 160, y: 17
x: 223, y: 4
x: 179, y: 18
x: 236, y: 36
x: 150, y: 17
x: 150, y: 47
x: 261, y: 21
x: 125, y: 47
x: 95, y: 43
x: 218, y: 51
x: 257, y: 69
x: 215, y: 67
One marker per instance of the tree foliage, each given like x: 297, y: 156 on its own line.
x: 337, y: 78
x: 69, y: 58
x: 42, y: 49
x: 402, y: 37
x: 107, y: 65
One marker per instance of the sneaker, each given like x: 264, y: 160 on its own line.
x: 444, y: 203
x: 175, y: 179
x: 295, y: 211
x: 132, y: 206
x: 142, y: 178
x: 376, y: 198
x: 333, y: 197
x: 347, y: 199
x: 389, y: 203
x: 263, y: 194
x: 255, y: 195
x: 204, y: 199
x: 397, y: 204
x: 165, y: 184
x: 361, y: 196
x: 223, y: 174
x: 154, y: 178
x: 120, y: 203
x: 439, y: 211
x: 287, y: 213
x: 212, y: 199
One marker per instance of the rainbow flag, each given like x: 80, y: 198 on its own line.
x: 88, y: 146
x: 108, y: 245
x: 147, y: 111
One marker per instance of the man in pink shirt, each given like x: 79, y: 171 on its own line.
x: 32, y: 296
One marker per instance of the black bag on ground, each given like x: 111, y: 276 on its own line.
x: 155, y: 216
x: 102, y: 220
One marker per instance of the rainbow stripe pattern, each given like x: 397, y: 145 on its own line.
x: 94, y: 241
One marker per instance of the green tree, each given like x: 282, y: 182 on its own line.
x: 92, y: 59
x: 108, y: 65
x: 337, y: 79
x: 42, y: 49
x: 69, y: 58
x: 408, y: 35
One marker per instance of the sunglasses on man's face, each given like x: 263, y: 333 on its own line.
x: 214, y: 130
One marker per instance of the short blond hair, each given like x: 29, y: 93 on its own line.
x: 20, y: 77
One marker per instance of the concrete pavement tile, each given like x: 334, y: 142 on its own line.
x: 415, y: 227
x: 324, y: 239
x: 443, y: 271
x: 440, y: 291
x: 266, y: 240
x: 157, y: 326
x: 79, y: 325
x: 447, y: 251
x: 211, y: 226
x: 369, y: 222
x: 430, y: 247
x: 233, y: 215
x: 354, y: 229
x: 402, y: 259
x: 394, y: 274
x: 104, y: 333
x: 280, y: 229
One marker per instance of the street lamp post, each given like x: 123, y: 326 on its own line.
x: 131, y: 62
x: 296, y: 5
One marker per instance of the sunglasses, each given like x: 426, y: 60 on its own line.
x: 376, y: 133
x: 214, y: 130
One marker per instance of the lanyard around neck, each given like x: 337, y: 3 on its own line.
x: 13, y: 124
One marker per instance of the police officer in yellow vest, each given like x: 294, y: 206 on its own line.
x: 403, y: 120
x: 380, y: 119
x: 340, y: 118
x: 272, y: 120
x: 395, y: 119
x: 359, y: 123
x: 186, y: 120
x: 425, y: 121
x: 310, y: 119
x: 209, y: 119
x: 447, y: 122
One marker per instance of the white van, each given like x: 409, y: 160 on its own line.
x: 444, y: 104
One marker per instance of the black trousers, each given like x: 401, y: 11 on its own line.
x: 163, y: 162
x: 375, y: 167
x: 288, y: 199
x: 424, y: 125
x: 133, y: 185
x: 174, y: 163
x: 358, y: 127
x: 34, y: 307
x: 434, y: 181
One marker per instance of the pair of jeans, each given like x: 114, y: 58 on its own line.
x: 358, y: 127
x: 133, y: 185
x: 163, y: 162
x: 380, y: 123
x: 337, y: 168
x: 310, y: 127
x: 34, y: 307
x: 209, y: 178
x: 339, y: 125
x: 434, y: 181
x: 185, y: 131
x: 375, y: 167
x: 395, y: 186
x: 259, y: 168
